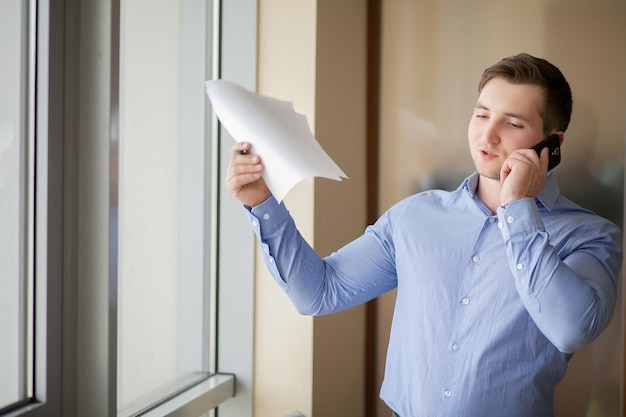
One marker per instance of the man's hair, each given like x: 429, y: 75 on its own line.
x: 527, y: 69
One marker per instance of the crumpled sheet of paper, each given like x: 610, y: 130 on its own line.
x: 279, y: 135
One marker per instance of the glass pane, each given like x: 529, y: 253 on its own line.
x: 164, y: 199
x: 14, y: 50
x: 433, y: 53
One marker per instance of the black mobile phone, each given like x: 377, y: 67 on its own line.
x: 553, y: 143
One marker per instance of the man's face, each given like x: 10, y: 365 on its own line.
x: 506, y: 118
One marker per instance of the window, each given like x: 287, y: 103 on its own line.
x: 117, y: 285
x: 166, y: 245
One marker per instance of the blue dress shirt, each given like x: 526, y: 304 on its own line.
x: 489, y: 307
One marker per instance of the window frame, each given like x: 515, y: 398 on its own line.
x: 73, y: 373
x: 23, y: 278
x: 48, y: 214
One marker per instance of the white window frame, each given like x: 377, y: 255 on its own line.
x: 74, y: 372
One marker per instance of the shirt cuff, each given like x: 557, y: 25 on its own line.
x: 267, y: 216
x: 519, y: 217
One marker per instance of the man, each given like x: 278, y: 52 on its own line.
x: 499, y: 281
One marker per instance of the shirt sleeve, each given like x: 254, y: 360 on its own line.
x: 570, y: 293
x: 358, y: 272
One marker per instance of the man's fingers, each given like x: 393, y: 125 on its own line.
x: 241, y: 148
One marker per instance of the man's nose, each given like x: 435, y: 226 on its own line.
x: 491, y: 134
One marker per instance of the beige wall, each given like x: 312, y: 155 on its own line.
x: 340, y: 207
x: 313, y: 53
x: 283, y: 354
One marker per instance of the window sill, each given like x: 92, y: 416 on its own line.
x: 198, y: 399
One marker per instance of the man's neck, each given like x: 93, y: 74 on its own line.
x: 488, y: 191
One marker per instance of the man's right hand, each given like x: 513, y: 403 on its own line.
x: 243, y: 178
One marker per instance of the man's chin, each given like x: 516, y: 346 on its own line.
x: 495, y: 176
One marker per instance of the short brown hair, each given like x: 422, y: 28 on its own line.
x: 527, y: 69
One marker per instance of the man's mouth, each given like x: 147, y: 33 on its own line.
x: 487, y: 154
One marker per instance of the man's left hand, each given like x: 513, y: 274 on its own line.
x: 523, y: 175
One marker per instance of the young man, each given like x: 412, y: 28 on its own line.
x: 499, y: 281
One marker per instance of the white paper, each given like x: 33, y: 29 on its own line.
x: 279, y: 135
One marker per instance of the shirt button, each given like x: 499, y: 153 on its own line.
x: 476, y: 258
x: 270, y: 260
x: 500, y: 225
x: 447, y: 393
x: 492, y: 220
x: 465, y: 300
x: 520, y: 267
x: 255, y: 223
x: 456, y: 347
x: 266, y: 216
x: 510, y: 219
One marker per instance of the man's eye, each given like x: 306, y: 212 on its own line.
x: 516, y: 126
x: 481, y: 116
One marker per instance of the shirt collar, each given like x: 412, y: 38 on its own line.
x: 547, y: 197
x: 550, y: 192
